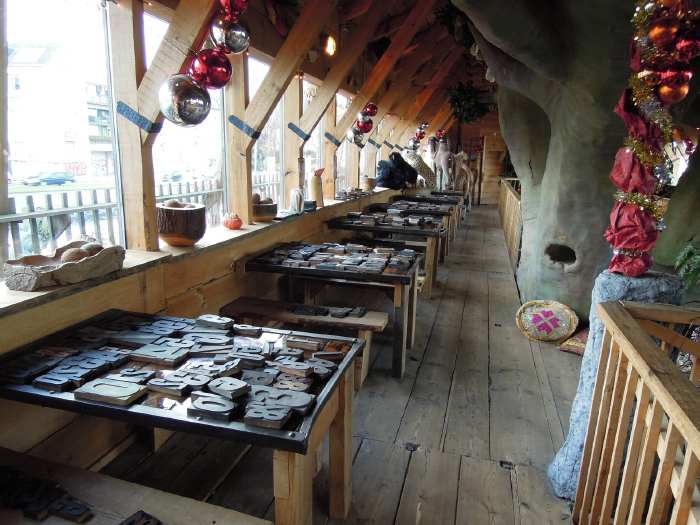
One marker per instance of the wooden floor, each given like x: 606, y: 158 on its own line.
x: 462, y: 439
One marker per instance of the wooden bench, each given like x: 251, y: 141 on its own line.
x: 252, y: 309
x: 113, y: 500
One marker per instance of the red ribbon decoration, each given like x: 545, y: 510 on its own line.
x: 631, y: 228
x: 630, y: 175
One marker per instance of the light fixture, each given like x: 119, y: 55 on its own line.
x: 329, y: 45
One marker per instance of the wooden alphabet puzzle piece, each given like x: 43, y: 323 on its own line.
x: 298, y: 401
x: 194, y: 381
x: 215, y: 321
x: 266, y: 415
x: 170, y: 387
x: 229, y: 387
x: 303, y: 343
x: 162, y: 355
x: 111, y: 392
x: 208, y: 339
x: 254, y: 377
x: 211, y: 406
x: 133, y: 375
x: 286, y: 384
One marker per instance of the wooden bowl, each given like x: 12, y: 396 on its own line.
x: 264, y: 212
x: 181, y: 226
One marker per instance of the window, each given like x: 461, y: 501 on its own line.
x: 60, y: 128
x: 313, y: 149
x: 188, y: 163
x: 342, y: 103
x: 267, y: 160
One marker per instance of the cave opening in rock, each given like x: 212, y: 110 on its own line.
x: 560, y: 253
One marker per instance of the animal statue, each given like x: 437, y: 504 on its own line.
x: 424, y: 171
x: 432, y: 151
x: 465, y: 178
x: 443, y: 161
x: 395, y: 173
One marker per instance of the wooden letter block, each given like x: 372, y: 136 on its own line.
x: 71, y: 509
x: 302, y: 343
x: 56, y: 383
x: 215, y: 321
x: 247, y: 330
x: 248, y: 360
x: 266, y: 416
x: 253, y: 377
x: 316, y: 361
x: 296, y: 369
x: 211, y: 407
x: 194, y: 381
x: 286, y: 384
x: 160, y: 355
x: 212, y: 369
x: 111, y: 392
x: 209, y: 339
x: 229, y: 387
x: 168, y: 386
x: 297, y: 401
x: 133, y: 375
x: 174, y: 342
x: 336, y: 357
x: 141, y: 518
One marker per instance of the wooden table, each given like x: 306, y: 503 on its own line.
x: 295, y: 445
x: 456, y: 201
x: 432, y: 236
x: 403, y: 288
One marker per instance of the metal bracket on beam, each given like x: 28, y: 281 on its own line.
x: 388, y: 145
x: 245, y: 128
x: 137, y: 118
x: 374, y: 143
x: 332, y: 139
x: 299, y: 132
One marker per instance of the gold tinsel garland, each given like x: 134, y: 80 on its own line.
x: 648, y: 203
x: 648, y: 156
x: 643, y: 95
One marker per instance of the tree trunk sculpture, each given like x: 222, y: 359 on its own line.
x: 560, y: 67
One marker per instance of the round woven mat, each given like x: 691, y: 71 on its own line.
x: 546, y: 321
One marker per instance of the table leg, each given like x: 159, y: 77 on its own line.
x: 293, y: 485
x: 412, y: 306
x: 362, y: 365
x: 431, y: 260
x: 340, y: 463
x: 400, y: 329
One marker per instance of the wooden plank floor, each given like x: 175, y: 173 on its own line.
x: 463, y: 438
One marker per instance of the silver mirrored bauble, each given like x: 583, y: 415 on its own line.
x: 413, y: 143
x: 183, y: 101
x: 362, y: 117
x: 230, y: 36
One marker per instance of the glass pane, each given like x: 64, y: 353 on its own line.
x: 342, y: 103
x: 268, y: 149
x: 188, y: 162
x: 313, y: 149
x: 60, y: 127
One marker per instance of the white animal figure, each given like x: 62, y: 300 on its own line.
x: 443, y: 162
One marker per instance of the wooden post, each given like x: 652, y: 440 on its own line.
x: 293, y: 146
x: 340, y: 463
x: 362, y: 366
x: 352, y: 166
x: 329, y: 158
x: 138, y: 186
x: 293, y: 476
x: 400, y: 330
x: 240, y: 182
x: 4, y: 158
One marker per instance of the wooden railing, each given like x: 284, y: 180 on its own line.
x: 40, y: 221
x: 641, y: 456
x: 511, y: 217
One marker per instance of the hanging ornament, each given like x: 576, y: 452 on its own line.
x: 354, y: 135
x: 687, y: 49
x: 364, y: 127
x: 663, y: 33
x: 370, y: 109
x: 234, y: 8
x: 183, y: 101
x: 413, y: 143
x: 362, y: 117
x: 229, y: 36
x: 211, y: 68
x: 420, y: 134
x: 675, y: 86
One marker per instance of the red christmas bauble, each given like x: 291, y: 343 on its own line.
x: 687, y: 49
x: 420, y: 134
x: 674, y: 87
x: 663, y: 33
x: 364, y: 127
x: 234, y: 6
x: 211, y: 68
x: 370, y: 109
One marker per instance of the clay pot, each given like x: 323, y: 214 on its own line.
x: 232, y: 222
x: 181, y: 226
x: 264, y: 212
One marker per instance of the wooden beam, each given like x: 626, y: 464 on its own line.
x: 128, y: 63
x: 286, y: 64
x: 386, y: 63
x: 293, y: 150
x: 187, y: 30
x: 349, y: 53
x: 329, y: 159
x: 355, y: 9
x: 240, y: 182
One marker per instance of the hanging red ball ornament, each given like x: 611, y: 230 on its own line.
x: 233, y: 6
x: 420, y: 134
x: 370, y: 109
x: 663, y: 33
x: 364, y: 127
x: 211, y: 68
x: 687, y: 50
x: 675, y: 86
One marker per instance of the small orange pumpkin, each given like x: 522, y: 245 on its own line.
x: 232, y: 222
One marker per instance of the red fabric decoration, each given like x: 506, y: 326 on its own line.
x: 635, y: 57
x: 637, y: 125
x: 631, y: 228
x: 629, y: 175
x: 687, y: 49
x: 629, y: 265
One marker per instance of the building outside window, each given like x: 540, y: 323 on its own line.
x: 267, y: 159
x: 188, y: 163
x: 342, y: 103
x: 60, y: 128
x: 313, y: 149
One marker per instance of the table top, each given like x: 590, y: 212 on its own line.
x: 448, y: 193
x: 122, y: 336
x: 407, y: 208
x: 433, y: 199
x: 331, y: 261
x: 364, y: 223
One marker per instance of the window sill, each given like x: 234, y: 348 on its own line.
x: 138, y: 261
